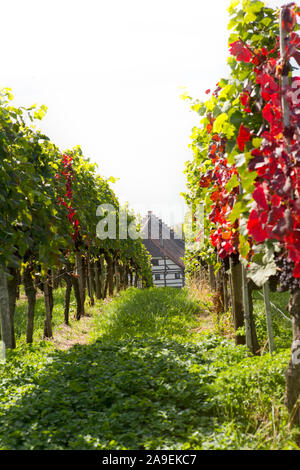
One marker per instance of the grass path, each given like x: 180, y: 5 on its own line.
x: 144, y: 377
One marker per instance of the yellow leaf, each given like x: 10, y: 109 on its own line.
x: 249, y: 18
x: 226, y: 91
x: 219, y: 123
x: 233, y: 4
x: 228, y: 130
x: 256, y: 142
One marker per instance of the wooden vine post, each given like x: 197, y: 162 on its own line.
x: 81, y: 280
x: 246, y: 306
x: 237, y: 299
x: 68, y: 281
x: 48, y: 308
x: 225, y: 291
x: 30, y: 291
x: 13, y: 285
x: 5, y: 320
x: 266, y: 292
x: 212, y: 279
x: 292, y: 394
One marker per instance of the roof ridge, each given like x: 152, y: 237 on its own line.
x: 151, y: 214
x: 177, y: 260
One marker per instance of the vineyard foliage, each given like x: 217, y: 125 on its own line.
x: 246, y: 161
x: 149, y: 379
x: 48, y: 220
x: 153, y: 375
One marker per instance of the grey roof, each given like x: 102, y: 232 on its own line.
x: 172, y: 248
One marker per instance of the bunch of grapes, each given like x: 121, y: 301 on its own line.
x: 286, y: 279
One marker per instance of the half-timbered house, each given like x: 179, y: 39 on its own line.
x: 167, y: 251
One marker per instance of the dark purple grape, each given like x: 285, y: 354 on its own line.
x: 285, y: 275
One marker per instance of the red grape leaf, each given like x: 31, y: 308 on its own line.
x: 243, y: 137
x: 241, y: 52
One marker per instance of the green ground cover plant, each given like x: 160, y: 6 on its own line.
x: 282, y: 324
x: 148, y: 379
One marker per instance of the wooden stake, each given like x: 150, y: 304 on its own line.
x: 237, y: 299
x: 47, y: 324
x: 266, y: 292
x: 212, y: 279
x: 225, y: 292
x: 248, y: 334
x: 5, y: 320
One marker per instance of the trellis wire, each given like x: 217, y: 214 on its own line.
x: 276, y: 308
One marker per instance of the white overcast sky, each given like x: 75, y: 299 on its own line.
x: 111, y: 74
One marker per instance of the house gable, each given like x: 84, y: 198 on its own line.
x: 166, y: 252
